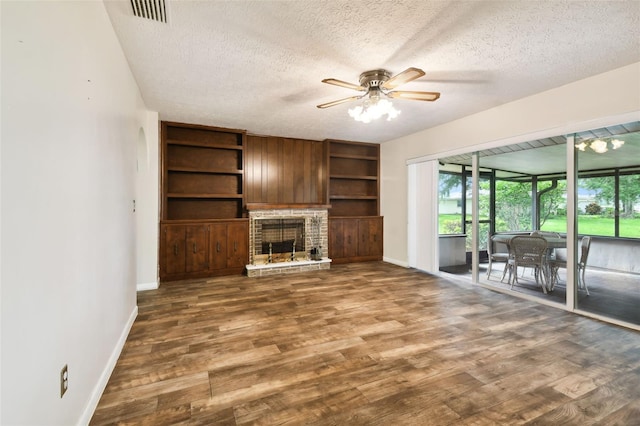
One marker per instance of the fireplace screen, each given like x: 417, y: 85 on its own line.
x: 279, y: 236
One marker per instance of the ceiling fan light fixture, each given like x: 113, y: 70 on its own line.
x: 372, y: 110
x: 373, y: 107
x: 405, y: 76
x: 377, y: 83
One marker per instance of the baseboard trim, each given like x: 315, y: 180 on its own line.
x: 106, y: 373
x: 395, y: 262
x: 147, y: 286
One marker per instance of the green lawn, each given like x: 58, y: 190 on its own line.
x: 587, y: 225
x: 596, y: 225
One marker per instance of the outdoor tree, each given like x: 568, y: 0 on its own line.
x: 513, y: 203
x: 552, y: 200
x: 447, y: 183
x: 604, y: 188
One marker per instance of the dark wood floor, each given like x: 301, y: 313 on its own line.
x: 368, y: 343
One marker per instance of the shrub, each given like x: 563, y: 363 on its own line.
x: 593, y: 209
x: 452, y: 227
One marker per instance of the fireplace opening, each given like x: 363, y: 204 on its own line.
x: 287, y: 239
x: 279, y: 236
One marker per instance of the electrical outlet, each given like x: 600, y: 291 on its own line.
x: 64, y: 380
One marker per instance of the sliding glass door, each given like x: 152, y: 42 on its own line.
x: 608, y: 224
x: 580, y: 192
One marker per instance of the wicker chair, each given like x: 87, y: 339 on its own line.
x: 528, y: 251
x: 538, y: 233
x: 555, y: 264
x: 545, y: 234
x: 494, y: 256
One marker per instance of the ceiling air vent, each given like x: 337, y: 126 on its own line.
x: 150, y: 9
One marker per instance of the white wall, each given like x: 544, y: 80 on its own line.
x: 147, y: 199
x: 71, y: 117
x: 577, y: 106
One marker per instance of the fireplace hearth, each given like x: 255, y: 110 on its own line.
x: 287, y: 240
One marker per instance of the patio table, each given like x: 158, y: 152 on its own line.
x: 552, y: 243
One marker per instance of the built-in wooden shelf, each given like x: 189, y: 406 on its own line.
x: 268, y: 206
x: 354, y: 197
x: 203, y: 195
x: 203, y: 172
x: 354, y: 177
x: 354, y: 170
x: 204, y: 144
x: 354, y: 156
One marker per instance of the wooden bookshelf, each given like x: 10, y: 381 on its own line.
x: 203, y: 229
x: 354, y: 183
x: 203, y: 172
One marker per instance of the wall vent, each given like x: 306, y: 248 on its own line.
x: 150, y: 9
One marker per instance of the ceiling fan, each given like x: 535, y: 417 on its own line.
x: 380, y: 82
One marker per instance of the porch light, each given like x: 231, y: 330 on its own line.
x: 616, y: 143
x: 600, y: 145
x: 581, y: 146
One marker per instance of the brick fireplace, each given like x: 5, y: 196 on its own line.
x: 288, y: 240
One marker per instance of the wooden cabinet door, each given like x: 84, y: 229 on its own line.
x: 370, y: 237
x: 237, y: 245
x: 350, y: 235
x: 376, y: 236
x: 197, y: 248
x: 363, y: 237
x: 174, y: 249
x: 336, y: 239
x: 218, y: 246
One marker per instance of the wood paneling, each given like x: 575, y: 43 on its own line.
x: 285, y: 171
x: 366, y: 344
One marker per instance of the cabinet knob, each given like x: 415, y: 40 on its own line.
x: 218, y: 246
x: 235, y: 246
x: 195, y: 250
x: 175, y: 249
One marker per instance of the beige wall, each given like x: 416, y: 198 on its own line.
x: 593, y: 102
x: 72, y: 119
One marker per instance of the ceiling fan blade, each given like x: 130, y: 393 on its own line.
x: 338, y: 102
x: 405, y: 76
x: 416, y: 96
x: 344, y: 84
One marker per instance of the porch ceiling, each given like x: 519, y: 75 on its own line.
x: 547, y: 156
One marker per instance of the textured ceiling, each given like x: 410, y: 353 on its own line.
x: 258, y: 65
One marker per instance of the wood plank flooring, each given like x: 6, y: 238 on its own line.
x: 366, y: 344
